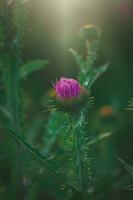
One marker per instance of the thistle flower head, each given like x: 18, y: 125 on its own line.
x: 70, y: 96
x: 67, y: 88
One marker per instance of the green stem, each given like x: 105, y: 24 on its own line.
x: 12, y: 86
x: 12, y: 94
x: 79, y: 158
x: 83, y: 155
x: 13, y: 104
x: 79, y: 161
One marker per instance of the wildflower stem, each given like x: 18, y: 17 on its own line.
x: 79, y: 158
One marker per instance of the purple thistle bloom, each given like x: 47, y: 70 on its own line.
x: 67, y: 88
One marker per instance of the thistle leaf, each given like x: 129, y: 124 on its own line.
x: 78, y: 58
x: 94, y: 75
x: 88, y: 74
x: 32, y: 66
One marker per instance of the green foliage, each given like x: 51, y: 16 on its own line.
x: 99, y: 138
x: 11, y: 72
x: 56, y: 125
x: 31, y: 66
x: 88, y: 72
x: 130, y: 105
x: 31, y: 133
x: 20, y: 20
x: 128, y: 168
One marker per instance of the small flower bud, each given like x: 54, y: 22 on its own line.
x: 90, y: 32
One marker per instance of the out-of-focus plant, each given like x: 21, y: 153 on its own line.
x: 130, y: 105
x: 129, y: 169
x: 13, y: 70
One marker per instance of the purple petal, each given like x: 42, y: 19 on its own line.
x: 67, y: 88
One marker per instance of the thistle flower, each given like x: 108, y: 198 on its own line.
x: 67, y: 88
x: 69, y: 94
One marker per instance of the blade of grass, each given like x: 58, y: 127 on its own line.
x: 99, y: 138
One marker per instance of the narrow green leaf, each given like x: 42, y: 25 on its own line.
x: 126, y: 166
x: 5, y: 112
x: 78, y: 58
x: 32, y: 66
x: 96, y: 73
x: 99, y: 138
